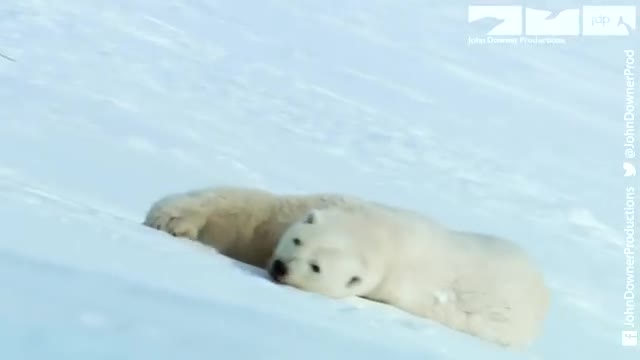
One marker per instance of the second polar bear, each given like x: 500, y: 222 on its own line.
x: 242, y: 223
x: 474, y: 283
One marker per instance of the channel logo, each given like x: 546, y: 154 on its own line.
x: 519, y: 20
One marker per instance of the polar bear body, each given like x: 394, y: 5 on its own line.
x: 242, y: 223
x: 474, y: 283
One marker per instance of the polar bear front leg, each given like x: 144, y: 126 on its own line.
x: 181, y: 215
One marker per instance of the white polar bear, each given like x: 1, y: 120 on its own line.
x: 242, y: 223
x: 474, y: 283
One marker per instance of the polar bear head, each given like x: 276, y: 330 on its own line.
x: 319, y: 254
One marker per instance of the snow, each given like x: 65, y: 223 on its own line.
x: 111, y: 104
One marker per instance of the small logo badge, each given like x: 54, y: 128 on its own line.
x: 629, y: 169
x: 630, y: 338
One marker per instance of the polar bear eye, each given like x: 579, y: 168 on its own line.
x: 353, y: 281
x: 297, y: 242
x: 315, y: 268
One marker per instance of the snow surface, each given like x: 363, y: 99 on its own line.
x: 111, y: 104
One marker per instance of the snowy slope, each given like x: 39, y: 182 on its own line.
x: 111, y: 104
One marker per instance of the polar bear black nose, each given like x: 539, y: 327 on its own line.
x: 278, y: 270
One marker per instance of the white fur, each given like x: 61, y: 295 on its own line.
x: 242, y: 223
x: 474, y: 283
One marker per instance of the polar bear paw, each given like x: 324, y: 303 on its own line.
x: 180, y: 216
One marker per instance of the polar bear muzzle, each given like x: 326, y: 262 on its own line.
x: 278, y: 270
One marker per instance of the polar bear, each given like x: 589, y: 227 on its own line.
x: 242, y: 223
x: 478, y: 284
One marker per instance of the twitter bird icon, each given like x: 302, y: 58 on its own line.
x: 629, y: 169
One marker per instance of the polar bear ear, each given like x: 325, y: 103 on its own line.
x: 311, y: 217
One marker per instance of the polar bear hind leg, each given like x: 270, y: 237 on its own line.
x: 496, y: 320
